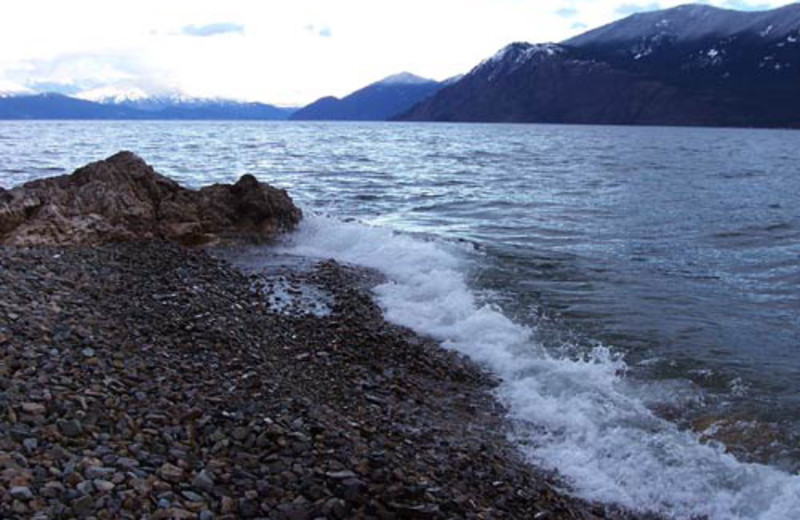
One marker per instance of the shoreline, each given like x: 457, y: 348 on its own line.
x: 150, y: 379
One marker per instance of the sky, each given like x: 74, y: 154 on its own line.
x: 284, y: 52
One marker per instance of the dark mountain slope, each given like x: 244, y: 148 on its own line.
x: 690, y: 65
x: 552, y: 84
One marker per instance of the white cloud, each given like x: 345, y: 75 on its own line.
x: 264, y: 50
x: 213, y: 29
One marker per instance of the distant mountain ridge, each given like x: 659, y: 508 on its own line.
x: 689, y: 65
x: 378, y: 101
x: 59, y: 106
x: 131, y: 104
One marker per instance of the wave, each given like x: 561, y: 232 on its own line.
x: 581, y: 417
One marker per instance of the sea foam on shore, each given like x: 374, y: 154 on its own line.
x: 581, y: 417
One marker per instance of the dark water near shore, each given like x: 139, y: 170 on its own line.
x: 677, y: 248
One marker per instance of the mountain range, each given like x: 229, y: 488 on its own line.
x: 130, y: 103
x: 689, y: 65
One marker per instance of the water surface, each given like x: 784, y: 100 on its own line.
x: 635, y: 280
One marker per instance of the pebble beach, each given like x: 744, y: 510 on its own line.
x: 148, y: 380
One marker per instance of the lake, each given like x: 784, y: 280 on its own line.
x: 636, y: 288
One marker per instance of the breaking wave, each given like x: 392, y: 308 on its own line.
x: 581, y: 417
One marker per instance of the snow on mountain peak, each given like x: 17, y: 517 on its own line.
x: 515, y: 55
x: 113, y: 95
x: 139, y: 98
x: 521, y: 52
x: 692, y: 22
x: 404, y: 78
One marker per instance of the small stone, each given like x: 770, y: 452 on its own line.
x: 74, y: 478
x: 192, y: 496
x: 141, y: 486
x: 341, y: 475
x: 175, y: 513
x: 19, y: 507
x: 334, y: 508
x: 171, y: 473
x: 86, y: 487
x: 98, y: 472
x: 83, y: 505
x: 21, y: 493
x: 293, y: 512
x: 103, y: 486
x: 421, y: 511
x: 53, y: 489
x: 353, y: 489
x: 205, y: 514
x: 249, y: 508
x: 88, y: 352
x: 203, y: 481
x: 30, y: 445
x: 227, y: 505
x: 71, y: 428
x: 127, y: 463
x: 33, y: 408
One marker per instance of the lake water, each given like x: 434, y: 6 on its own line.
x: 637, y: 289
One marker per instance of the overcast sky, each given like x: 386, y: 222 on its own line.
x: 286, y: 52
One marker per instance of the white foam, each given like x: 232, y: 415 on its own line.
x: 580, y: 417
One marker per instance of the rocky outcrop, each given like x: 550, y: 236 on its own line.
x: 122, y: 198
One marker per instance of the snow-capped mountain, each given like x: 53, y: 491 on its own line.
x: 177, y: 105
x: 698, y: 45
x: 691, y: 23
x: 130, y: 103
x: 689, y: 65
x: 377, y: 101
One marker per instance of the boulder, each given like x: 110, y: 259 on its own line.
x: 123, y: 199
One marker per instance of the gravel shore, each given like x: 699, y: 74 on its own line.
x: 146, y: 380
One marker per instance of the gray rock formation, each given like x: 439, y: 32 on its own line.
x: 122, y: 198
